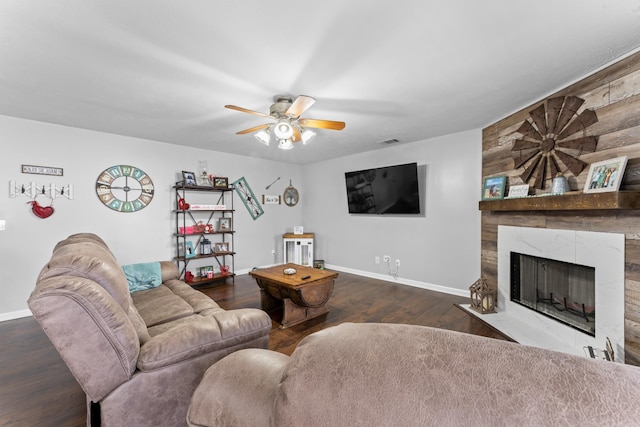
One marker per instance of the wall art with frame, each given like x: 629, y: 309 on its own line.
x: 493, y: 187
x: 605, y: 175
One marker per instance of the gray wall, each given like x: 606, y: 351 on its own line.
x: 439, y: 249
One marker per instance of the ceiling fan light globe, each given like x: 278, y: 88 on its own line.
x: 283, y: 130
x: 307, y: 135
x: 263, y: 136
x: 285, y: 144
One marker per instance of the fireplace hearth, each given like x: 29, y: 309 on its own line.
x: 604, y: 252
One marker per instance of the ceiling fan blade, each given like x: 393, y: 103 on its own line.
x: 253, y: 129
x: 299, y: 106
x: 296, y: 134
x: 244, y: 110
x: 322, y: 124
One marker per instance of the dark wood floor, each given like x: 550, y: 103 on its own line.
x: 37, y: 389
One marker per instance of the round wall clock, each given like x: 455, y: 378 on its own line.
x: 124, y: 188
x: 291, y: 195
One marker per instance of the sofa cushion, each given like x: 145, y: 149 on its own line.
x: 160, y: 305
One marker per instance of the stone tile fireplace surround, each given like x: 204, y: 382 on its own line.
x: 603, y: 251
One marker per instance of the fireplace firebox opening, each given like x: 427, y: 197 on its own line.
x: 559, y: 290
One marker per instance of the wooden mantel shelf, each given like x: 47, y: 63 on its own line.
x: 567, y: 202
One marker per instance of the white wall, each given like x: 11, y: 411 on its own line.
x: 26, y: 244
x: 440, y: 248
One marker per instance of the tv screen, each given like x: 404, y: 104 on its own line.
x: 384, y: 190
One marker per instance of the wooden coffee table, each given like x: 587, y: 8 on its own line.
x: 302, y: 296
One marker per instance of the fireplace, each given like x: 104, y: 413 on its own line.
x: 603, y: 252
x: 560, y: 290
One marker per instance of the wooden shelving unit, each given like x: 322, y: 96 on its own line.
x: 573, y: 201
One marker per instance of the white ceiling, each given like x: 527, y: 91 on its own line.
x: 407, y: 69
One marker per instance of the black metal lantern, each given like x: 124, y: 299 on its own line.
x: 205, y: 247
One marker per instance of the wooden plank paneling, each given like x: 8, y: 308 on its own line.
x: 614, y: 94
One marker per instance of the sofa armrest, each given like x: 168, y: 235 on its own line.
x: 202, y: 335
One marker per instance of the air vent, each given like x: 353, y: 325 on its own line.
x: 389, y: 141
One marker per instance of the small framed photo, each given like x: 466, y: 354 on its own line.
x: 189, y: 251
x: 224, y: 224
x: 204, y: 271
x: 189, y: 178
x: 220, y: 182
x: 298, y: 229
x: 221, y: 247
x: 493, y: 187
x: 605, y: 175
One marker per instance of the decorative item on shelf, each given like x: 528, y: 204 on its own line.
x: 220, y: 182
x: 203, y: 272
x: 224, y: 224
x: 298, y: 229
x: 559, y: 185
x: 483, y: 297
x: 201, y: 227
x: 606, y: 175
x: 189, y: 251
x: 221, y: 247
x: 318, y: 263
x: 188, y: 276
x: 205, y: 247
x: 182, y: 205
x: 186, y: 230
x: 516, y: 191
x: 189, y: 178
x: 224, y: 270
x: 204, y: 175
x: 493, y: 187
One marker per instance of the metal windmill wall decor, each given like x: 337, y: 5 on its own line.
x: 550, y: 141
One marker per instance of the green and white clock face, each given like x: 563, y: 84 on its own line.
x: 124, y: 188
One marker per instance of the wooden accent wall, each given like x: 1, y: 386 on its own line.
x: 614, y: 94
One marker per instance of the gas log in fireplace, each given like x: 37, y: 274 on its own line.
x: 559, y: 290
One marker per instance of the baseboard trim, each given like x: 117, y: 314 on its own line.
x: 12, y: 315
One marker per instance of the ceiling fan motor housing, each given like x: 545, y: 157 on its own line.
x: 281, y: 106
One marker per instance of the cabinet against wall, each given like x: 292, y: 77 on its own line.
x: 204, y: 233
x: 298, y: 248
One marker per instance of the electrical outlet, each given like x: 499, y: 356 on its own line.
x: 273, y: 252
x: 397, y: 263
x: 386, y: 258
x: 3, y: 224
x: 377, y: 260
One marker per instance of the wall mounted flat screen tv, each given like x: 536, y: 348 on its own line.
x: 384, y: 190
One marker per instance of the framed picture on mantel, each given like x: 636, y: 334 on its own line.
x: 605, y: 175
x: 493, y: 187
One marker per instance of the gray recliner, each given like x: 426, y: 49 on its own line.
x: 139, y: 356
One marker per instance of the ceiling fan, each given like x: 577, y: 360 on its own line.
x: 289, y: 127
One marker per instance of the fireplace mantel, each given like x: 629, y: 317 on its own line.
x: 567, y: 202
